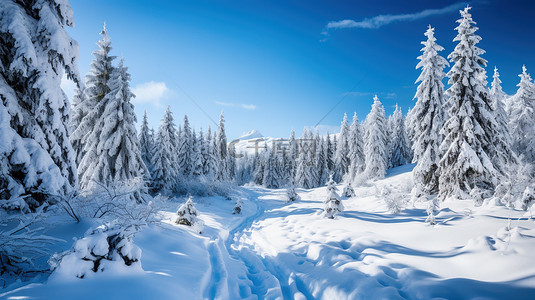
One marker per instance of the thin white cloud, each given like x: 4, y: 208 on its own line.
x: 382, y: 20
x: 151, y: 92
x: 249, y: 106
x: 68, y: 86
x: 242, y: 105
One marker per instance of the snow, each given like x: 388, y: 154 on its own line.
x: 275, y: 249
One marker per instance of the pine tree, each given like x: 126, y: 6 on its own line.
x: 198, y: 156
x: 475, y: 153
x: 375, y: 141
x: 348, y: 190
x: 427, y: 117
x: 221, y: 150
x: 188, y: 215
x: 185, y: 150
x: 306, y: 173
x: 341, y: 159
x: 291, y: 194
x: 398, y: 146
x: 146, y: 145
x: 272, y: 176
x: 333, y: 204
x: 356, y: 149
x: 78, y: 111
x: 292, y: 154
x: 321, y: 163
x: 36, y: 158
x: 112, y: 151
x: 331, y: 146
x: 166, y: 170
x: 497, y: 97
x: 521, y: 112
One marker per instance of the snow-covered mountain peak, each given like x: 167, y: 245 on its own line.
x: 253, y: 134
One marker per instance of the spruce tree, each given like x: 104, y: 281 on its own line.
x: 36, y: 158
x: 398, y: 146
x: 356, y: 149
x: 497, y: 98
x: 165, y: 172
x: 112, y: 151
x: 79, y: 110
x: 333, y: 204
x: 375, y: 141
x: 185, y: 149
x: 427, y: 117
x: 341, y: 159
x: 146, y: 145
x: 521, y: 112
x: 475, y: 153
x: 221, y: 150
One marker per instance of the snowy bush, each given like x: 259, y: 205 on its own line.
x: 237, y: 207
x: 393, y: 202
x: 108, y: 248
x: 479, y: 195
x: 187, y: 215
x: 528, y: 198
x: 348, y: 190
x: 22, y: 243
x: 432, y: 208
x: 333, y: 204
x: 512, y: 186
x: 291, y: 194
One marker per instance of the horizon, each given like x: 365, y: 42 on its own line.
x: 276, y: 66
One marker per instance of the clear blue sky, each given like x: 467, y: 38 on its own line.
x: 274, y: 65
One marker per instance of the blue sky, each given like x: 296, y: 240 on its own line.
x: 277, y: 65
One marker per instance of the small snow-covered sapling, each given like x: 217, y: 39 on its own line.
x: 348, y: 190
x: 333, y: 204
x: 237, y: 207
x: 187, y: 215
x: 291, y: 194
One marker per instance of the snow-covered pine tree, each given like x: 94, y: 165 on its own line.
x: 348, y: 190
x: 321, y: 163
x: 210, y: 160
x: 427, y: 117
x: 198, y: 157
x: 292, y: 154
x: 78, y: 112
x: 97, y: 88
x: 146, y: 145
x: 521, y: 111
x: 259, y: 164
x: 341, y: 159
x: 36, y: 157
x: 291, y: 193
x: 475, y: 153
x: 272, y: 175
x: 185, y: 150
x: 306, y: 173
x: 165, y: 170
x: 398, y: 144
x: 112, y: 151
x: 333, y: 204
x: 356, y: 149
x: 497, y: 97
x: 375, y: 141
x: 237, y: 207
x: 187, y: 215
x: 330, y: 152
x: 221, y: 152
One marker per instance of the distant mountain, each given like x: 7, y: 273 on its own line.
x: 253, y: 134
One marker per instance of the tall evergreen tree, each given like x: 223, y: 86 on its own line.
x: 475, y: 153
x: 185, y: 149
x: 221, y: 150
x: 321, y: 163
x: 521, y: 112
x: 112, y: 151
x: 356, y: 149
x: 146, y: 145
x: 210, y: 160
x: 36, y: 157
x: 165, y: 170
x: 292, y: 154
x: 198, y: 156
x: 398, y: 146
x: 306, y: 173
x: 341, y: 159
x: 375, y: 141
x: 497, y: 98
x: 78, y: 111
x: 427, y: 117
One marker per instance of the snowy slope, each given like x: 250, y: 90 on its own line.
x: 279, y: 250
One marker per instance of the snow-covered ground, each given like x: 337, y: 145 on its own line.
x: 279, y: 250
